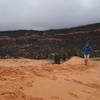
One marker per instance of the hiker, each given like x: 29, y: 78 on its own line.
x: 87, y: 50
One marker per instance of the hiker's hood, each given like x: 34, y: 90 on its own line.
x: 87, y: 45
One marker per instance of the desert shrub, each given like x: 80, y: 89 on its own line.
x: 57, y: 58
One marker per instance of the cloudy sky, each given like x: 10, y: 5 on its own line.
x: 47, y: 14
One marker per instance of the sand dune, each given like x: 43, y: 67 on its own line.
x: 22, y: 62
x: 25, y: 79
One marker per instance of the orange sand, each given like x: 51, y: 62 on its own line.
x: 25, y: 79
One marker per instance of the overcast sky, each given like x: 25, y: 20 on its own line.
x: 47, y: 14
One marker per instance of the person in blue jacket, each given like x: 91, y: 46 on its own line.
x: 87, y: 50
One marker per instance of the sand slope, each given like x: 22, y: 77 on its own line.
x: 24, y: 79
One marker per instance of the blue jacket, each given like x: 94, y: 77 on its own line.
x: 87, y: 50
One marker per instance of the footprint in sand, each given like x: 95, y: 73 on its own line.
x: 54, y: 78
x: 29, y: 84
x: 38, y: 98
x: 86, y: 91
x: 73, y: 94
x: 67, y: 79
x: 21, y: 88
x: 91, y: 85
x: 56, y: 98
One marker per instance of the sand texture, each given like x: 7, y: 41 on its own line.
x: 25, y: 79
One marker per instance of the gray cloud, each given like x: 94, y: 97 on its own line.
x: 47, y: 14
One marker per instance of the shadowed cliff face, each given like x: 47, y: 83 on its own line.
x: 24, y: 43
